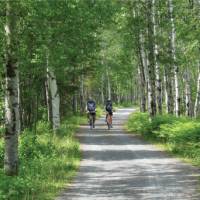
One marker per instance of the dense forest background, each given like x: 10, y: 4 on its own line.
x: 56, y: 54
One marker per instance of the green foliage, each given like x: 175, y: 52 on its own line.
x: 139, y: 123
x: 28, y: 146
x: 1, y: 152
x: 181, y: 135
x: 47, y: 162
x: 99, y: 111
x: 43, y: 127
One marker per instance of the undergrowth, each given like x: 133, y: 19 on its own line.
x: 47, y: 162
x: 179, y: 135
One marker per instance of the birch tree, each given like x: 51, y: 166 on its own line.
x: 82, y: 96
x: 12, y: 117
x: 188, y: 96
x: 151, y: 64
x: 197, y: 101
x: 157, y: 67
x: 141, y: 69
x: 169, y: 99
x: 173, y: 58
x: 53, y: 96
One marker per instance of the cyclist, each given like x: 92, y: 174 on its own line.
x: 109, y: 113
x: 91, y: 109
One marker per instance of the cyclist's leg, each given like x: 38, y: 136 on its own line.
x: 90, y: 120
x: 111, y: 114
x: 94, y: 118
x: 108, y: 121
x: 106, y: 116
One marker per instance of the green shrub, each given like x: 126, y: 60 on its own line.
x: 28, y: 145
x: 99, y: 111
x: 158, y: 120
x: 1, y: 152
x: 181, y: 135
x: 139, y: 123
x: 2, y: 130
x: 47, y: 162
x: 43, y: 127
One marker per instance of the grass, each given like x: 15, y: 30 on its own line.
x: 48, y: 161
x: 179, y: 136
x: 99, y: 111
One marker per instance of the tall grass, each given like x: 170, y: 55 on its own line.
x: 181, y: 136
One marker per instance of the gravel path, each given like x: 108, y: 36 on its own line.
x: 117, y: 166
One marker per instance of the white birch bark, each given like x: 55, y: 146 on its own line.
x: 55, y: 99
x: 188, y: 97
x: 82, y: 107
x: 118, y: 91
x: 151, y: 64
x: 102, y: 87
x: 47, y: 90
x: 147, y: 83
x: 157, y: 67
x: 108, y: 83
x: 197, y: 101
x: 141, y: 70
x: 12, y: 116
x: 166, y: 92
x: 173, y: 57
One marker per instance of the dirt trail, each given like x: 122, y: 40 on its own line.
x: 117, y: 166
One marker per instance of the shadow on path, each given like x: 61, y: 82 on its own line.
x: 116, y: 166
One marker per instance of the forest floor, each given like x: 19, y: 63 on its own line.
x: 119, y: 166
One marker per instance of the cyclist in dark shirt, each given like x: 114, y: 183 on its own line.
x: 91, y: 110
x: 109, y: 113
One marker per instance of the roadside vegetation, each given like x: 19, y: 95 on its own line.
x: 178, y: 135
x: 48, y: 161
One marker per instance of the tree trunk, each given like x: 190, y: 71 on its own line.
x: 12, y: 115
x: 188, y: 97
x: 82, y: 107
x: 151, y: 64
x: 168, y: 90
x: 147, y: 84
x: 197, y: 101
x: 74, y: 103
x: 141, y: 69
x: 118, y: 92
x: 157, y: 67
x: 102, y: 89
x: 54, y: 97
x: 55, y: 101
x: 48, y: 98
x: 173, y: 57
x: 108, y: 83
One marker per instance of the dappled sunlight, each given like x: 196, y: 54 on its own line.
x: 123, y: 167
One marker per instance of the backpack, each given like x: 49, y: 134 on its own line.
x: 109, y: 107
x: 91, y: 106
